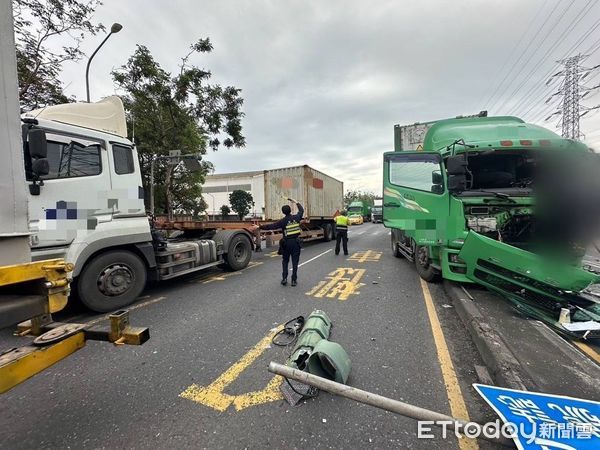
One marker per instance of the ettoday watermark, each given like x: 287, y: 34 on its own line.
x: 542, y: 433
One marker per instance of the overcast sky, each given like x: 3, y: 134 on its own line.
x: 324, y: 82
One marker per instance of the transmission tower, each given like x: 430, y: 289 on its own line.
x: 572, y: 91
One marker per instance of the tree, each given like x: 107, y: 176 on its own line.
x: 48, y: 33
x: 225, y: 210
x: 355, y: 195
x: 177, y: 112
x: 241, y: 201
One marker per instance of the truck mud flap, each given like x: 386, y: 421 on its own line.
x: 538, y: 287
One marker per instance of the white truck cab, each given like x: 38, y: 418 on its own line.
x: 89, y: 208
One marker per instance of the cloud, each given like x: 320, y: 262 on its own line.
x: 325, y: 82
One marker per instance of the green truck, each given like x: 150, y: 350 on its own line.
x: 360, y: 208
x: 460, y: 205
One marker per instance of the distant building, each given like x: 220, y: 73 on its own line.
x: 217, y: 187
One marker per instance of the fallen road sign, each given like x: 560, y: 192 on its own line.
x: 544, y: 421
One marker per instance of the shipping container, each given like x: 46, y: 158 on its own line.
x: 410, y: 137
x: 321, y: 195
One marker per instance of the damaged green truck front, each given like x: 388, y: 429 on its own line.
x: 460, y: 204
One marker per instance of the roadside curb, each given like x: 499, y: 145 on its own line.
x: 504, y: 368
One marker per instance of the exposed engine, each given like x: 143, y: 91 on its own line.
x: 512, y: 225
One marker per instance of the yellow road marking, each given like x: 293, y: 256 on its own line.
x: 269, y: 394
x: 273, y: 254
x: 588, y: 350
x: 366, y: 256
x: 131, y: 308
x: 341, y: 283
x: 220, y: 277
x: 214, y: 396
x: 458, y: 408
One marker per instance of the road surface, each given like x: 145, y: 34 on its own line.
x: 201, y: 380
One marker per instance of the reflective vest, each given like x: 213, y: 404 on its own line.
x: 341, y: 223
x: 292, y: 229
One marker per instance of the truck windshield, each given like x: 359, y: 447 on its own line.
x: 376, y: 209
x: 355, y: 209
x: 501, y: 172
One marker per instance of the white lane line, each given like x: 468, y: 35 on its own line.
x: 131, y: 308
x: 312, y: 259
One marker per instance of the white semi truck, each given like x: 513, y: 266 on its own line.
x: 86, y: 206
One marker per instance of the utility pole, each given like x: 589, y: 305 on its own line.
x: 572, y: 91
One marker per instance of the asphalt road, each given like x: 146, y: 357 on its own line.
x: 201, y: 380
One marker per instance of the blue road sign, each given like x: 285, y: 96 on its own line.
x: 544, y: 421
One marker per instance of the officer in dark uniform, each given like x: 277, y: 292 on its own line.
x: 290, y: 225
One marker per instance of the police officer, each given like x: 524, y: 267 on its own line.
x: 341, y: 225
x: 290, y: 225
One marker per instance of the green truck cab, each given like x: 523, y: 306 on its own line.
x: 461, y: 207
x: 360, y: 208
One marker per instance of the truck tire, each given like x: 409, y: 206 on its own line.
x: 423, y: 265
x: 395, y: 248
x: 111, y: 280
x: 239, y: 253
x: 327, y: 232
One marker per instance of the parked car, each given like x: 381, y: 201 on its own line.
x: 356, y: 219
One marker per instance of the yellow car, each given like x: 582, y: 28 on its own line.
x: 355, y: 219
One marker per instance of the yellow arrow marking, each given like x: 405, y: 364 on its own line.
x: 213, y: 395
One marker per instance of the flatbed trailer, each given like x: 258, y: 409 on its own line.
x: 311, y: 231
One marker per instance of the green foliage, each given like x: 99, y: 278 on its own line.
x: 225, y: 210
x: 357, y: 195
x: 179, y: 111
x: 48, y: 33
x: 241, y: 202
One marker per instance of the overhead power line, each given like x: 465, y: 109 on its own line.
x: 535, y: 65
x: 514, y: 49
x: 522, y: 104
x: 525, y: 50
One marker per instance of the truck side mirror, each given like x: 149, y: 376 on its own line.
x: 456, y: 165
x: 457, y: 183
x: 38, y: 147
x: 40, y: 167
x: 437, y: 181
x: 38, y: 154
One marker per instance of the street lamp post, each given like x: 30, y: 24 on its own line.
x: 115, y: 28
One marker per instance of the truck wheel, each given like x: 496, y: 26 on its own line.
x: 239, y: 252
x: 423, y: 265
x: 327, y: 232
x: 111, y: 280
x: 395, y: 248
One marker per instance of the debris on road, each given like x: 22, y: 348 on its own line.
x: 315, y: 354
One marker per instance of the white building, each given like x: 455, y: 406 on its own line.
x: 216, y: 190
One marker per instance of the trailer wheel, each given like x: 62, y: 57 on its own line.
x: 327, y: 232
x: 111, y: 280
x: 423, y: 264
x: 239, y: 252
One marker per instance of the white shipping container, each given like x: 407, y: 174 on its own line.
x: 321, y: 195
